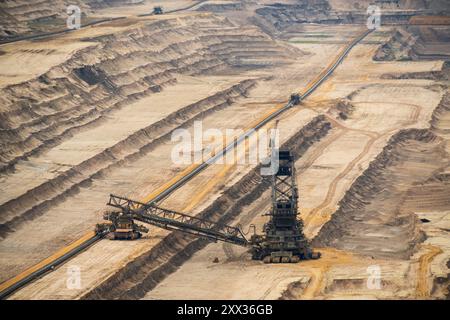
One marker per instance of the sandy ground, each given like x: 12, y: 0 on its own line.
x: 25, y: 60
x: 144, y: 176
x: 325, y: 173
x: 146, y: 7
x: 334, y: 162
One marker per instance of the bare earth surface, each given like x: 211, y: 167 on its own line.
x: 335, y: 164
x: 91, y: 112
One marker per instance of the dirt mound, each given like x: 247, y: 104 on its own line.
x: 342, y: 109
x: 294, y: 290
x: 371, y: 218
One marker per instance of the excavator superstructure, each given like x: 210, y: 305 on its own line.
x: 282, y: 241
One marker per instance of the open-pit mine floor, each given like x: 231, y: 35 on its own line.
x: 381, y: 146
x: 91, y: 113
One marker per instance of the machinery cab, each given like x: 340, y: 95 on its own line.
x: 122, y: 227
x: 295, y: 99
x: 158, y: 10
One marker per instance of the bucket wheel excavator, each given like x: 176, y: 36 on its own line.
x: 282, y: 240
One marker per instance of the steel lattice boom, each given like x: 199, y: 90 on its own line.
x: 172, y: 220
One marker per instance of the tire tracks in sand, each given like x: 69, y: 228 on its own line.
x: 313, y: 220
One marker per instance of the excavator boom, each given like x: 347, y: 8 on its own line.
x: 172, y: 220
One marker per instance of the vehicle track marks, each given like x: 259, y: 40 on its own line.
x: 374, y: 136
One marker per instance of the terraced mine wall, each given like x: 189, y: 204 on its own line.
x: 283, y: 17
x: 119, y: 69
x: 36, y: 201
x: 223, y: 7
x: 145, y: 272
x: 115, y: 71
x: 20, y: 17
x: 371, y: 218
x: 439, y: 75
x: 433, y: 193
x: 440, y: 120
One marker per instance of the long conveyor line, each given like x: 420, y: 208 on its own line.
x: 90, y: 238
x: 90, y: 24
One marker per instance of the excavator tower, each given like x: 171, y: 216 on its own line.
x: 283, y: 240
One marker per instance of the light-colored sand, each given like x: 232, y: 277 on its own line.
x: 142, y: 177
x: 322, y: 183
x: 325, y: 173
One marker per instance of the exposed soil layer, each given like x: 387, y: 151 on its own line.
x: 440, y: 121
x: 370, y: 219
x: 143, y: 274
x: 20, y: 17
x: 278, y: 18
x: 375, y: 224
x: 416, y: 43
x: 223, y: 6
x: 40, y: 113
x: 294, y: 290
x: 441, y: 285
x: 80, y: 93
x: 36, y: 201
x: 440, y: 75
x: 135, y: 75
x: 431, y: 6
x: 284, y: 17
x: 432, y: 194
